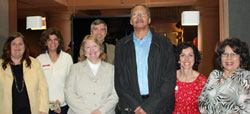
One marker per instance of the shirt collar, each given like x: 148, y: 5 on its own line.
x: 146, y: 38
x: 154, y: 41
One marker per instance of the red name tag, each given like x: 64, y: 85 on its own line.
x: 46, y: 65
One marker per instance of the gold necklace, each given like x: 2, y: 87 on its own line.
x: 223, y: 77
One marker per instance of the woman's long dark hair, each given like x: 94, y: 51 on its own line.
x: 7, y: 51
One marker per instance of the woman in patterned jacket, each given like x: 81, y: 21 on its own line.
x: 227, y: 88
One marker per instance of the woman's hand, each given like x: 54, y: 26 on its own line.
x: 96, y: 111
x: 57, y: 102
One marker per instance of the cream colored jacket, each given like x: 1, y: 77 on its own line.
x: 85, y: 92
x: 36, y: 85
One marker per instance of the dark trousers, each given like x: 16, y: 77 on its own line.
x: 144, y: 97
x: 117, y: 110
x: 64, y: 110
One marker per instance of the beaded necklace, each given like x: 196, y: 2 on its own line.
x: 16, y: 84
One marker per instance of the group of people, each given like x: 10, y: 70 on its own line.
x: 149, y: 76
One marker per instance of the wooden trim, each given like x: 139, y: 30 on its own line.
x: 12, y: 16
x: 224, y: 19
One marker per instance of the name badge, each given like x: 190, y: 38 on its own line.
x: 47, y: 66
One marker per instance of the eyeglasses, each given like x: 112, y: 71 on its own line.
x: 139, y: 14
x: 233, y: 55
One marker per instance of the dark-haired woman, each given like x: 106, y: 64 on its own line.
x: 23, y: 87
x: 189, y: 82
x: 227, y: 90
x: 55, y: 64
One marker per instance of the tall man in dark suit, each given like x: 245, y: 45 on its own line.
x: 145, y: 74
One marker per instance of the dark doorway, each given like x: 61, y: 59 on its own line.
x: 118, y: 27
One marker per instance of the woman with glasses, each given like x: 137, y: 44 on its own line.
x: 189, y: 82
x: 227, y: 90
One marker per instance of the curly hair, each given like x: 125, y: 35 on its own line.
x: 45, y: 36
x: 238, y: 47
x: 197, y: 56
x: 6, y: 56
x: 82, y: 56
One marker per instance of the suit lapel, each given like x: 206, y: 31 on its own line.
x: 101, y: 70
x: 132, y: 62
x: 152, y: 58
x: 86, y: 70
x: 25, y: 69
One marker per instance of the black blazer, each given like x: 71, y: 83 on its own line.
x: 161, y: 76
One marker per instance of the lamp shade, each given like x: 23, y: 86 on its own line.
x: 33, y: 22
x: 190, y: 18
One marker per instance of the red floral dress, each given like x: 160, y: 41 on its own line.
x: 186, y: 95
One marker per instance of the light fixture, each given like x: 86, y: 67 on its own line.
x: 190, y: 18
x: 35, y: 23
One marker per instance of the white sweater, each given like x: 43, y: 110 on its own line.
x: 94, y: 67
x: 56, y: 74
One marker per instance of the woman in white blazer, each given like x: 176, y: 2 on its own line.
x: 90, y: 85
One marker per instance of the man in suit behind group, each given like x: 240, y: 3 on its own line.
x: 99, y: 29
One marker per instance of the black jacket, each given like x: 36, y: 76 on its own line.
x: 161, y: 76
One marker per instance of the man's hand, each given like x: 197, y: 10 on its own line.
x: 139, y: 110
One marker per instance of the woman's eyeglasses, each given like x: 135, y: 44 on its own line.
x: 231, y: 55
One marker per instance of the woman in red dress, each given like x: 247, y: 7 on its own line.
x: 189, y: 82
